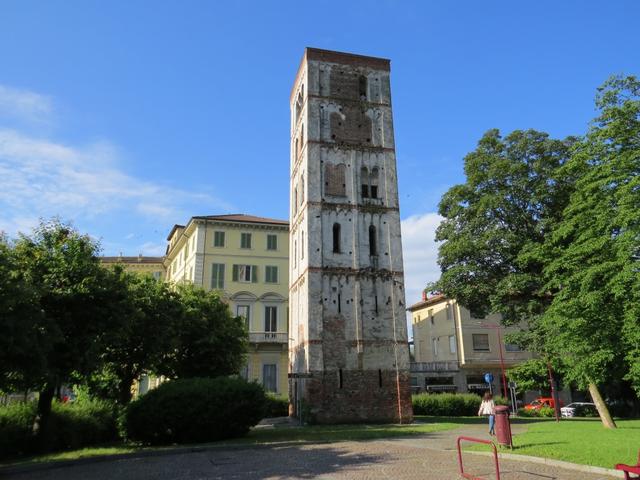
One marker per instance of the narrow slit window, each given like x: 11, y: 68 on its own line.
x: 362, y: 87
x: 336, y: 238
x: 340, y: 378
x: 373, y: 248
x: 339, y: 304
x: 376, y: 299
x: 380, y: 378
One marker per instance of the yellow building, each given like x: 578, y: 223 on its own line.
x: 245, y: 258
x: 453, y: 350
x: 153, y: 266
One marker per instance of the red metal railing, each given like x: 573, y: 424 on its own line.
x: 477, y: 440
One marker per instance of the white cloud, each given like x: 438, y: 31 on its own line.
x: 41, y: 177
x: 25, y: 105
x: 420, y: 252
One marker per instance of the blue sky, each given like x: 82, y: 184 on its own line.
x: 128, y: 117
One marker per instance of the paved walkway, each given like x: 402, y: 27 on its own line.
x: 429, y: 457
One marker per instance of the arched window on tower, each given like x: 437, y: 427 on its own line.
x: 295, y: 200
x: 373, y: 181
x: 336, y: 238
x: 364, y: 180
x: 373, y: 247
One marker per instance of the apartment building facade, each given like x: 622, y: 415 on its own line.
x: 453, y: 350
x: 245, y: 258
x: 153, y: 266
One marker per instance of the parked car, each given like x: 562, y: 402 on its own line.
x: 579, y: 409
x: 540, y: 402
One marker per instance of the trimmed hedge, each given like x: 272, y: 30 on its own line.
x: 449, y: 404
x: 72, y: 425
x: 195, y: 410
x: 276, y: 406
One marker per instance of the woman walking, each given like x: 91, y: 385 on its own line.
x: 488, y: 407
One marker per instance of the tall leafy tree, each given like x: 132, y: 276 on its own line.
x: 74, y: 295
x: 151, y: 317
x: 210, y: 341
x: 495, y: 224
x: 594, y: 253
x: 21, y: 341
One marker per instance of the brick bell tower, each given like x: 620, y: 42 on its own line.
x: 349, y: 356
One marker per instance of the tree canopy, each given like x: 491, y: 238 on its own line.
x: 546, y: 233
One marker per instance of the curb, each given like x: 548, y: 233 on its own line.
x: 554, y: 463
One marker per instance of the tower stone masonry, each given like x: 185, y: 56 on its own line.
x: 348, y: 356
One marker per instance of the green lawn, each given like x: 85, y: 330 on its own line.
x: 583, y: 441
x: 258, y: 436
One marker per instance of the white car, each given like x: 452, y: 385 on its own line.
x: 579, y: 409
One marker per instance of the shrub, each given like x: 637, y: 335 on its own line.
x: 535, y: 413
x: 276, y: 405
x: 72, y: 425
x: 85, y: 422
x: 446, y: 404
x: 16, y: 422
x: 195, y: 410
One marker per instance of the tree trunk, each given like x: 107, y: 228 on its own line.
x: 41, y: 422
x: 124, y: 387
x: 602, y: 408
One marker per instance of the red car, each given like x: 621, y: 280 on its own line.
x: 540, y: 402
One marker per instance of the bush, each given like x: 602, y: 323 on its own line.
x: 446, y: 404
x: 276, y: 406
x: 536, y: 413
x: 72, y: 425
x: 450, y: 404
x: 16, y: 422
x: 195, y: 410
x: 85, y: 422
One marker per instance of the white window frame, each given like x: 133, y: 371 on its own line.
x: 272, y: 320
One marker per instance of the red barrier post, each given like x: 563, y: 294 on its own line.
x: 477, y: 440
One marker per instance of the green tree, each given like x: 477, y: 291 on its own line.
x: 21, y: 341
x: 210, y: 341
x: 530, y: 375
x: 74, y: 295
x: 496, y: 222
x: 150, y: 321
x: 594, y: 253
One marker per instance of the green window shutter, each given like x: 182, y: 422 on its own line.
x: 274, y: 274
x: 235, y: 273
x: 221, y: 275
x: 254, y: 274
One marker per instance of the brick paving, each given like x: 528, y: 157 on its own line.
x: 428, y: 457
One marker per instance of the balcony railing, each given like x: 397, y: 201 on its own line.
x: 268, y: 337
x: 434, y: 367
x: 440, y: 388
